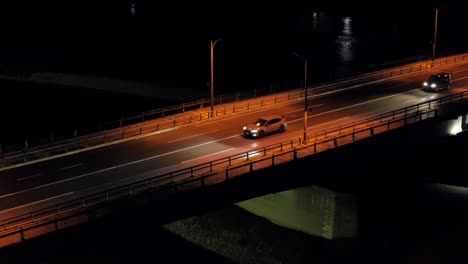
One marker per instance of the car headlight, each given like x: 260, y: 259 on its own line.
x: 253, y: 131
x: 433, y: 85
x: 244, y: 128
x: 424, y: 83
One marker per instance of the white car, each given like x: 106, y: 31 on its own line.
x: 265, y: 125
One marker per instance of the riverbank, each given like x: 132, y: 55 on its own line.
x: 112, y: 85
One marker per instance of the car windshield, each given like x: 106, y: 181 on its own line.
x: 260, y: 122
x: 434, y: 78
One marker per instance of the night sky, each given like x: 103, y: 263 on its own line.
x: 167, y: 37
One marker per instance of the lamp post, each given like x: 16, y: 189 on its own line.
x: 435, y: 35
x: 305, y: 139
x: 305, y: 100
x: 212, y: 45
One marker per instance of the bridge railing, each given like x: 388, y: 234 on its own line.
x: 49, y: 219
x: 154, y: 121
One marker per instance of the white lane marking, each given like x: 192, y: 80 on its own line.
x: 317, y: 105
x: 458, y: 71
x: 118, y: 166
x: 193, y: 136
x: 461, y: 78
x: 361, y: 103
x: 393, y: 86
x: 206, y: 143
x: 303, y: 109
x: 237, y: 115
x: 28, y: 177
x: 40, y: 201
x: 333, y: 121
x: 39, y: 174
x: 416, y: 99
x: 351, y: 106
x: 208, y: 155
x: 69, y: 167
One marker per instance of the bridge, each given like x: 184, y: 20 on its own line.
x: 50, y: 186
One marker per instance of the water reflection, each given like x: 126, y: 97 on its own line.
x: 319, y: 22
x: 346, y: 41
x: 314, y: 210
x: 132, y: 9
x: 315, y: 21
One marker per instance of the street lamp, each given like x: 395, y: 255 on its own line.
x: 305, y: 101
x: 212, y: 45
x: 305, y: 97
x: 435, y: 35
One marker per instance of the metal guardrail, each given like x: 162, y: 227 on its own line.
x: 49, y: 219
x: 146, y: 127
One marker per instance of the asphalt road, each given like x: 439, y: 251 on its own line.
x: 47, y: 183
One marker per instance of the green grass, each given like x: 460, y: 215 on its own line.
x: 245, y: 238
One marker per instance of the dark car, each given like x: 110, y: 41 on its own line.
x: 439, y: 81
x: 265, y: 125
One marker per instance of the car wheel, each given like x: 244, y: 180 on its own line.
x: 282, y: 128
x: 261, y: 134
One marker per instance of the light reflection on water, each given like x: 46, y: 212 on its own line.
x: 334, y: 43
x: 313, y: 210
x: 346, y: 41
x: 329, y: 214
